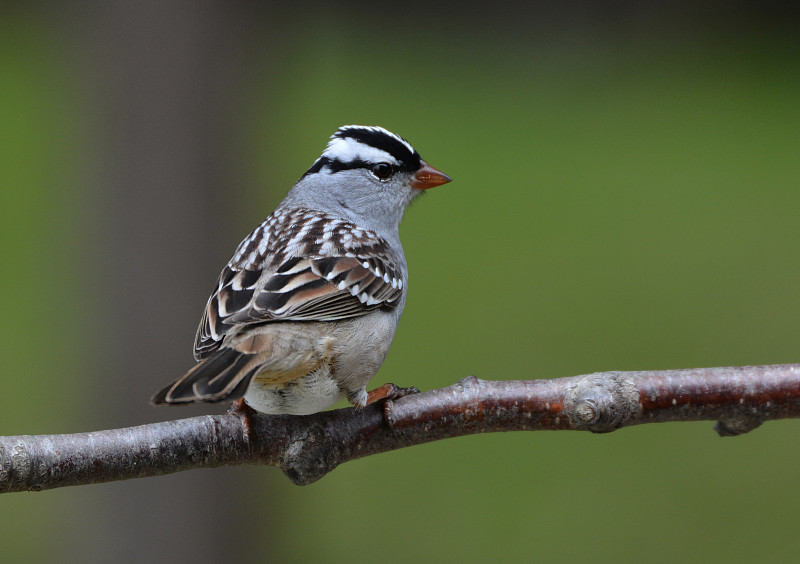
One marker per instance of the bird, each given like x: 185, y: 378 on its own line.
x: 305, y: 311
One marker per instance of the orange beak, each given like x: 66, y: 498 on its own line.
x: 428, y: 177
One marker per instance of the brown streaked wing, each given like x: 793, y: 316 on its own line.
x: 323, y: 289
x: 292, y: 249
x: 302, y: 289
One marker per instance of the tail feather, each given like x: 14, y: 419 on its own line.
x: 222, y: 376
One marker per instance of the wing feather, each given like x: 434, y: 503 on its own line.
x: 339, y: 271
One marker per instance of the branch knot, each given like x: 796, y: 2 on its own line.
x: 309, y: 456
x: 601, y: 402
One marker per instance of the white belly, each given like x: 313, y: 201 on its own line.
x: 310, y: 394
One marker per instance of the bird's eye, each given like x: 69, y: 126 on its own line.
x: 382, y: 171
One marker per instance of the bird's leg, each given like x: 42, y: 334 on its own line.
x: 245, y: 413
x: 389, y: 391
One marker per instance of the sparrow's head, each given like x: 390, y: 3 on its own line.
x: 369, y: 171
x: 381, y: 153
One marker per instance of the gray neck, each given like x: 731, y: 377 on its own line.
x: 354, y: 196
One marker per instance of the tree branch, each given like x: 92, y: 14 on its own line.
x: 306, y: 448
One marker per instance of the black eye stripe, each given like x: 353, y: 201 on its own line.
x: 337, y: 166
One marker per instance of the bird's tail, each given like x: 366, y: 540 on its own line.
x: 224, y: 375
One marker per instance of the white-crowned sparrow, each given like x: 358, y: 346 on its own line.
x: 305, y: 311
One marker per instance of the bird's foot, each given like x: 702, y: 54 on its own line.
x: 245, y: 413
x: 389, y: 392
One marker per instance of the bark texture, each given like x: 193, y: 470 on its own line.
x: 308, y: 447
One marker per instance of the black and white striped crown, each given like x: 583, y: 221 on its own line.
x: 361, y: 146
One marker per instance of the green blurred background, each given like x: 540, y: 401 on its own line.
x: 626, y: 197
